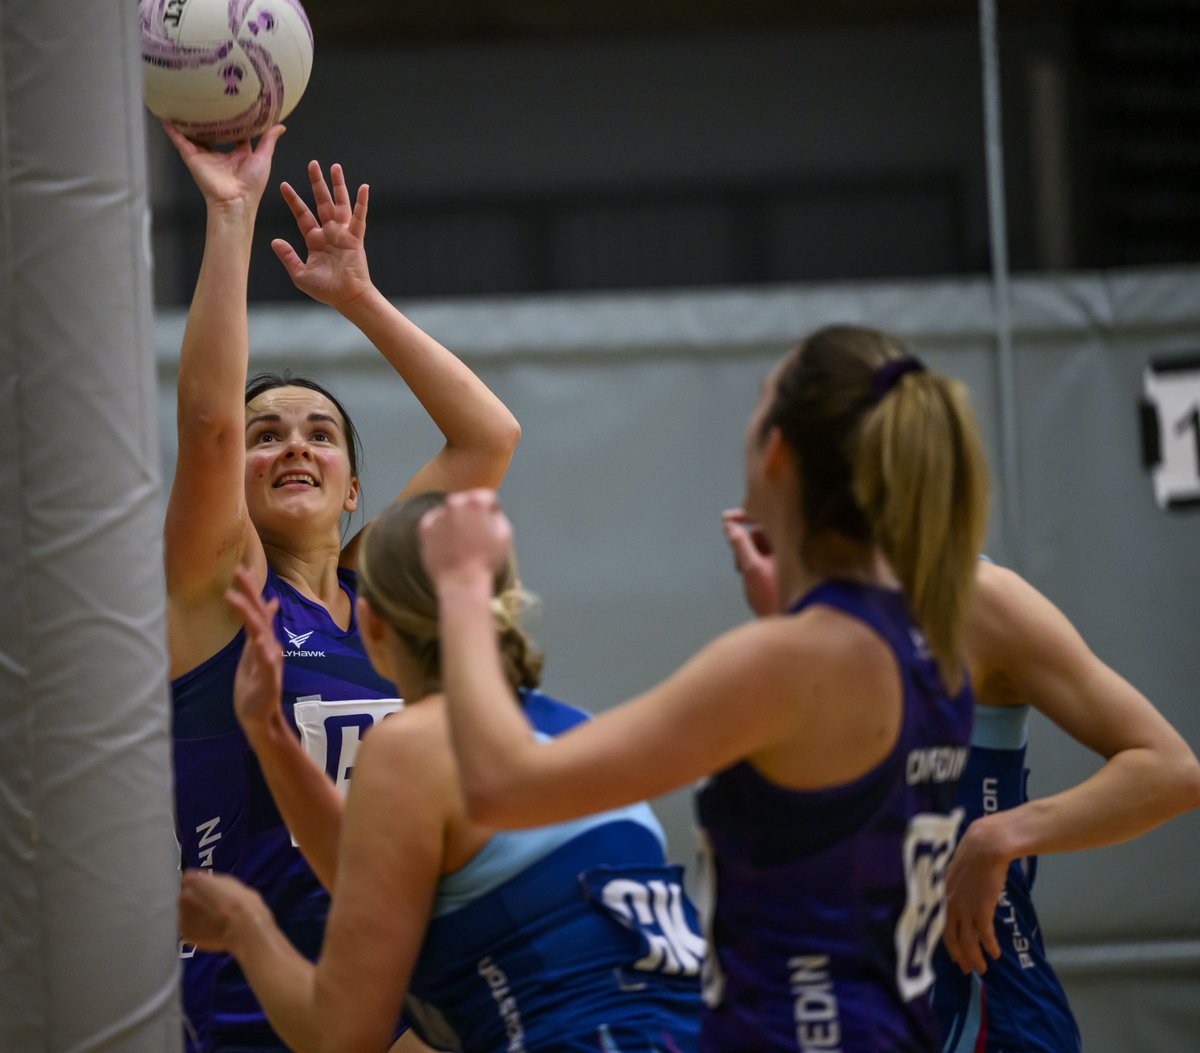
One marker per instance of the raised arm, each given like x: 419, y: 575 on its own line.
x: 311, y: 805
x: 388, y: 869
x: 666, y: 737
x: 480, y: 432
x: 207, y: 530
x: 1024, y: 650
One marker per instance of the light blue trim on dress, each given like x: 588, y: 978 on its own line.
x: 1000, y: 727
x: 509, y: 852
x: 968, y: 1037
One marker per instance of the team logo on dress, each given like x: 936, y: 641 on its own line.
x: 297, y: 641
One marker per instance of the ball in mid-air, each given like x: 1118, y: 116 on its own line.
x: 224, y: 70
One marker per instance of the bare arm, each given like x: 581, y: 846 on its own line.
x: 207, y: 529
x: 480, y: 432
x: 1023, y: 650
x: 664, y: 738
x: 311, y: 806
x: 409, y: 1043
x: 388, y: 868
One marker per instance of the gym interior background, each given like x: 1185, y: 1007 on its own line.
x: 621, y: 214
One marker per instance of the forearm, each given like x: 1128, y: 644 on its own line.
x: 471, y: 418
x: 311, y: 806
x: 212, y: 363
x: 1135, y: 791
x: 491, y: 739
x: 283, y: 980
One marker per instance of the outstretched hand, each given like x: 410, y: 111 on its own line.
x: 466, y: 537
x: 335, y: 270
x: 258, y: 682
x: 228, y: 177
x: 213, y: 908
x: 753, y: 560
x: 974, y: 883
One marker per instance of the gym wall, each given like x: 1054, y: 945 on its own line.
x: 634, y: 409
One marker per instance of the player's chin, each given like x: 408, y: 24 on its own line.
x: 294, y: 510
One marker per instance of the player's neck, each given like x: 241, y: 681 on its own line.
x: 314, y: 576
x: 833, y: 557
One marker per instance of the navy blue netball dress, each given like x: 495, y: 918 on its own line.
x: 572, y: 938
x: 225, y: 817
x: 1018, y: 1005
x: 827, y: 905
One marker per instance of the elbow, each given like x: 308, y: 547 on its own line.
x: 1178, y: 772
x: 498, y: 449
x: 349, y: 1044
x: 346, y: 1036
x: 1189, y: 783
x: 508, y: 435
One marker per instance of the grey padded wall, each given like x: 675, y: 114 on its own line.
x: 88, y: 871
x: 634, y: 409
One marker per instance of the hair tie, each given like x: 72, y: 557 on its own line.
x: 888, y: 375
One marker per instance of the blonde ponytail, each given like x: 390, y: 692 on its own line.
x: 522, y: 662
x: 921, y: 479
x: 889, y: 454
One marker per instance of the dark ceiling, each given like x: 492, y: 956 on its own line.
x: 372, y: 21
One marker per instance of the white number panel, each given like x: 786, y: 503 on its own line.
x: 712, y: 979
x: 656, y: 909
x: 928, y: 845
x: 331, y: 731
x: 1171, y: 430
x: 650, y: 902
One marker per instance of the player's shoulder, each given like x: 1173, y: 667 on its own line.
x: 414, y: 737
x: 1000, y: 604
x: 833, y: 637
x: 818, y: 645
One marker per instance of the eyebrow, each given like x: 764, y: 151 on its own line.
x: 275, y: 418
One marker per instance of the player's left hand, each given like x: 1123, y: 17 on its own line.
x: 753, y: 560
x: 974, y: 882
x: 467, y: 537
x: 215, y: 909
x: 335, y: 271
x: 258, y: 682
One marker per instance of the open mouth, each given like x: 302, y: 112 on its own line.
x: 296, y: 478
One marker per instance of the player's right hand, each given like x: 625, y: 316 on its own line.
x: 228, y: 178
x: 215, y: 909
x: 466, y: 537
x: 974, y: 883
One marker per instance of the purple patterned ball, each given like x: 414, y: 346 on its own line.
x: 224, y: 70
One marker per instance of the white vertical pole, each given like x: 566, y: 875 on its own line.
x: 87, y: 867
x: 1010, y: 473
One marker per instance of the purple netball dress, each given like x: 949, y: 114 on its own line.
x: 225, y: 817
x: 827, y: 905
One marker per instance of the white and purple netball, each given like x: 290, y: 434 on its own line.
x: 224, y: 70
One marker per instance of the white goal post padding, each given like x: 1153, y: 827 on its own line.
x: 88, y: 881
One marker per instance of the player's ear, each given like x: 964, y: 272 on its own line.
x: 370, y: 625
x: 351, y: 502
x: 776, y: 454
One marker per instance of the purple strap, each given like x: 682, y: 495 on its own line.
x: 886, y: 376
